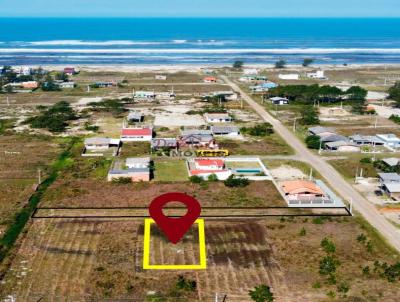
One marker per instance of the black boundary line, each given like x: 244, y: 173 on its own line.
x: 34, y: 214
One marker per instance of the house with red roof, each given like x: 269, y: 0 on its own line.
x: 209, y: 164
x: 210, y: 80
x: 141, y: 134
x: 204, y: 167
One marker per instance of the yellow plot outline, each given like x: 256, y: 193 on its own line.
x: 146, y: 250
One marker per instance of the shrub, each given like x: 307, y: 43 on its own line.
x: 328, y: 245
x: 303, y: 232
x: 261, y: 293
x: 328, y: 265
x: 233, y: 181
x: 212, y: 177
x: 184, y: 284
x: 365, y: 160
x: 258, y: 130
x: 122, y: 180
x: 196, y: 179
x: 313, y: 142
x: 280, y: 64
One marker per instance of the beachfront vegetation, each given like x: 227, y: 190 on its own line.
x: 238, y: 65
x: 54, y: 118
x: 280, y: 64
x: 307, y: 62
x: 263, y: 129
x: 394, y: 93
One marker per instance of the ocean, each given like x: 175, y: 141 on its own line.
x: 170, y: 41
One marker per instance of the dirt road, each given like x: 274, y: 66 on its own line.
x: 360, y: 204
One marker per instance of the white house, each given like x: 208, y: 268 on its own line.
x: 207, y: 164
x: 342, y: 146
x: 225, y: 130
x: 65, y: 85
x: 137, y: 162
x: 135, y: 116
x: 390, y: 140
x: 101, y: 143
x: 279, y: 101
x: 218, y: 118
x: 144, y: 95
x: 289, y: 76
x: 250, y: 71
x: 319, y: 74
x: 160, y: 77
x: 136, y: 134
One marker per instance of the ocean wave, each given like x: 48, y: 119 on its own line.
x: 211, y: 51
x: 116, y: 42
x: 91, y: 43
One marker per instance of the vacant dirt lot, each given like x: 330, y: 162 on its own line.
x: 91, y: 193
x: 20, y: 158
x: 94, y: 260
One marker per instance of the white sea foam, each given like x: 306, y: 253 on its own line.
x: 92, y: 43
x: 210, y: 50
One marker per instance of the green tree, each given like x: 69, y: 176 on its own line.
x: 261, y: 293
x: 50, y: 85
x: 61, y: 76
x: 233, y: 181
x: 394, y: 93
x: 238, y: 65
x: 313, y: 142
x: 307, y: 62
x: 280, y: 64
x: 309, y: 116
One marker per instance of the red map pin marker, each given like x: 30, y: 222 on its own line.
x: 174, y: 228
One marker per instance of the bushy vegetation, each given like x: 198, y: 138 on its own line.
x: 394, y: 93
x: 280, y: 64
x: 309, y: 116
x: 234, y: 182
x: 307, y: 62
x: 114, y: 106
x: 5, y: 124
x: 261, y: 293
x: 54, y: 118
x: 237, y: 65
x: 309, y: 94
x: 395, y: 118
x: 313, y: 142
x: 263, y: 129
x: 382, y: 166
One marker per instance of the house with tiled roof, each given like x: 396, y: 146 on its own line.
x: 141, y: 134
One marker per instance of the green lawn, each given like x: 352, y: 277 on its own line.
x: 170, y: 170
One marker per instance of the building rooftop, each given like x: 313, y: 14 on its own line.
x: 137, y: 131
x: 301, y: 186
x: 392, y: 187
x: 319, y: 129
x: 392, y: 161
x: 97, y: 141
x: 390, y: 177
x: 224, y: 129
x: 209, y: 162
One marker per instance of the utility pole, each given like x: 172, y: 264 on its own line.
x: 8, y: 101
x: 320, y: 147
x: 376, y: 121
x: 311, y: 174
x: 39, y: 176
x: 351, y: 206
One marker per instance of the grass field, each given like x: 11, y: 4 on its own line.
x: 168, y: 170
x: 97, y: 193
x: 270, y: 145
x: 81, y: 260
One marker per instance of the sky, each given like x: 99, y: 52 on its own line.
x: 199, y: 8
